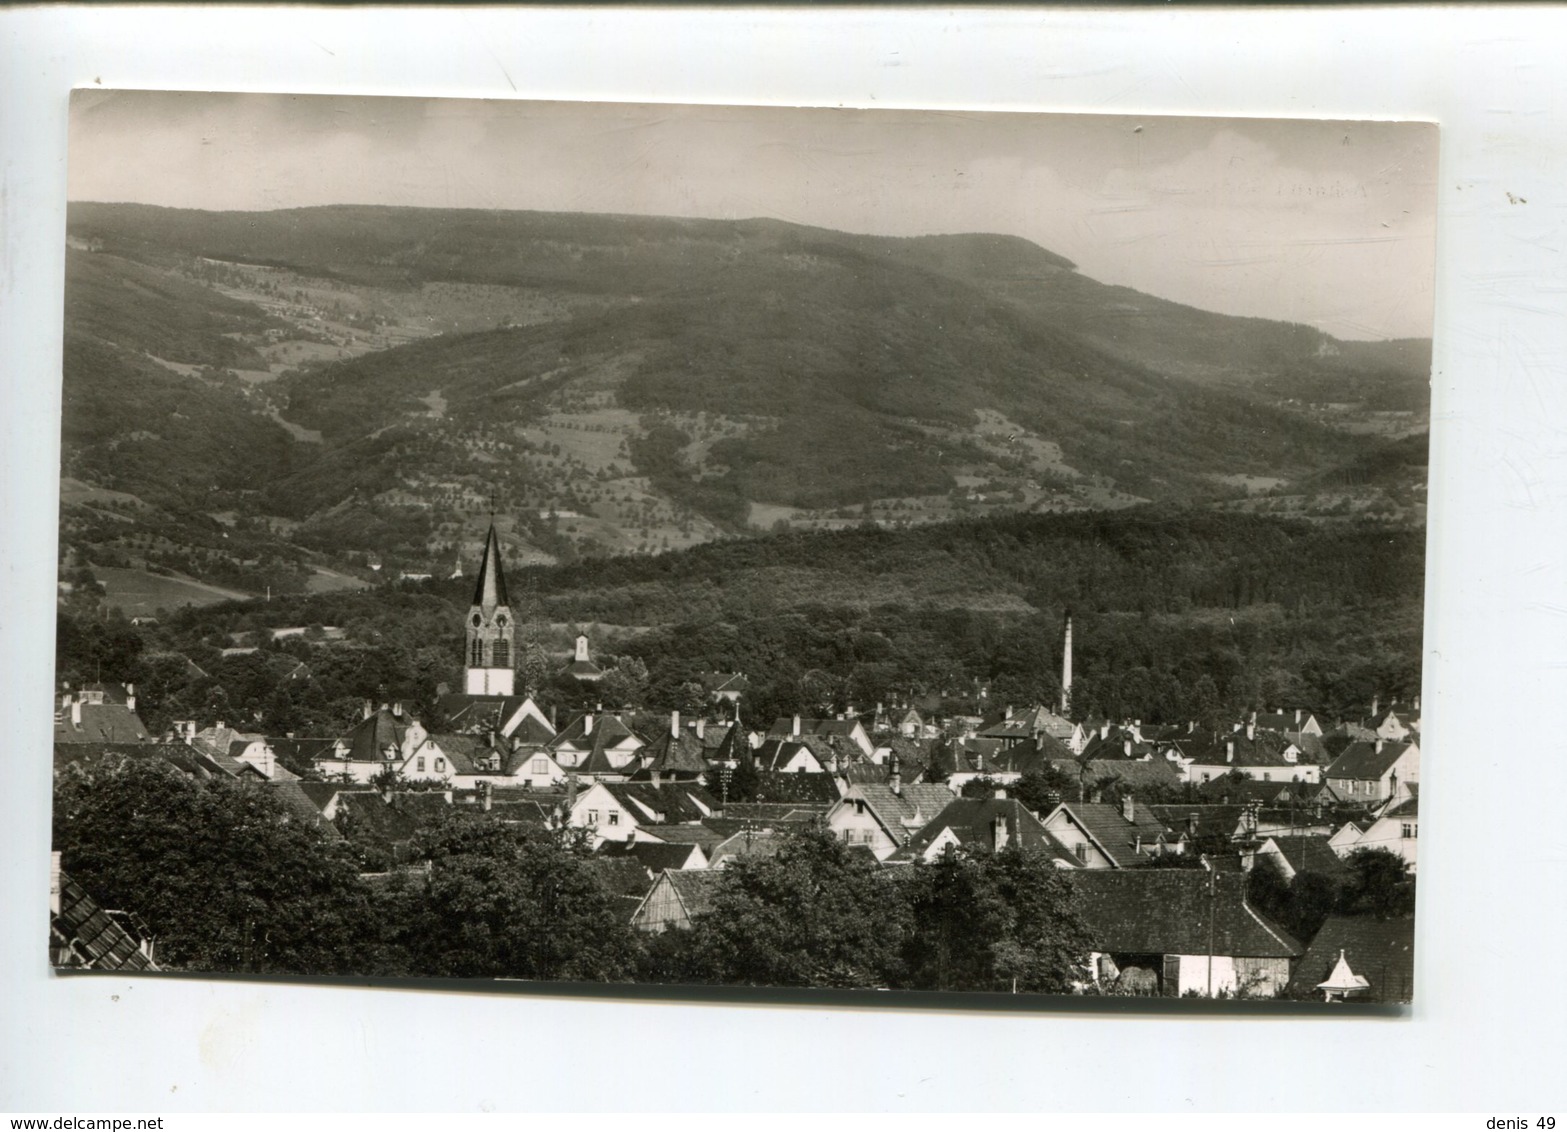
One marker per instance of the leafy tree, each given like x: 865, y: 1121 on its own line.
x: 503, y: 903
x: 811, y: 915
x: 1379, y: 885
x: 1037, y: 788
x: 224, y: 876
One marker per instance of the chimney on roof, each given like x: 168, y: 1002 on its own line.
x: 999, y: 833
x: 1379, y: 745
x: 999, y: 794
x: 76, y: 712
x: 894, y: 778
x: 674, y: 725
x: 1229, y: 750
x: 1297, y: 717
x: 1126, y: 746
x: 1417, y: 703
x: 1104, y: 730
x: 701, y: 727
x: 1251, y: 728
x: 658, y: 778
x: 365, y: 710
x: 795, y: 734
x: 130, y: 697
x: 1376, y: 703
x: 1128, y: 807
x: 1007, y: 715
x: 587, y: 724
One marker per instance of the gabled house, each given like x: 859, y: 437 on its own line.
x: 723, y: 687
x: 1265, y: 755
x: 1370, y: 771
x: 614, y: 811
x: 1301, y: 854
x: 602, y: 733
x: 1102, y: 836
x: 885, y: 817
x: 789, y: 756
x: 675, y: 754
x: 982, y: 825
x: 844, y: 727
x: 1184, y: 931
x: 1296, y: 721
x: 1395, y: 724
x: 98, y: 721
x: 1358, y: 959
x: 677, y: 897
x: 657, y: 856
x: 1397, y: 827
x: 1346, y: 837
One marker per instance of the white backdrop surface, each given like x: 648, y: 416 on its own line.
x: 1487, y: 1030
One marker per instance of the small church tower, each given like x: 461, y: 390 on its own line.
x: 490, y: 630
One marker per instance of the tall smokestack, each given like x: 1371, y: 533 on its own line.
x: 1066, y: 669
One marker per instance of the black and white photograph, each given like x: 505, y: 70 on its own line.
x: 743, y: 546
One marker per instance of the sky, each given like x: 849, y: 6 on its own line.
x: 1327, y: 223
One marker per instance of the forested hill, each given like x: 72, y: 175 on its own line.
x: 1178, y: 614
x: 288, y: 399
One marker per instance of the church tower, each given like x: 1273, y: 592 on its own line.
x: 490, y: 630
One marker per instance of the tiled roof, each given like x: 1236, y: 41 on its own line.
x: 364, y: 816
x: 1116, y: 836
x: 1249, y: 790
x: 776, y: 811
x: 1310, y: 853
x: 620, y: 875
x: 100, y: 723
x: 82, y: 935
x: 1212, y: 820
x: 678, y: 755
x: 1154, y: 774
x: 699, y: 834
x: 1363, y: 762
x: 695, y: 887
x: 301, y: 807
x: 747, y: 843
x: 374, y: 734
x: 666, y: 804
x: 920, y: 800
x: 1175, y: 912
x: 652, y: 856
x: 973, y: 822
x: 803, y: 788
x: 607, y: 731
x: 1265, y: 748
x: 1380, y: 951
x: 471, y: 754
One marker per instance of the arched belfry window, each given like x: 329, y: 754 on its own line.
x: 476, y: 659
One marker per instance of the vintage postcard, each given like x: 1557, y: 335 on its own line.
x: 742, y: 546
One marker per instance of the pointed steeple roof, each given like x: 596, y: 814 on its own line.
x: 491, y: 590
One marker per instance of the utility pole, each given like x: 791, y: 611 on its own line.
x: 1213, y: 903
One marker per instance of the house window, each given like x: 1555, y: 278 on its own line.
x: 1410, y: 829
x: 614, y: 817
x: 420, y: 765
x: 593, y: 817
x: 540, y: 766
x: 440, y: 766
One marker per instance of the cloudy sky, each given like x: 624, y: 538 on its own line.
x: 1327, y: 223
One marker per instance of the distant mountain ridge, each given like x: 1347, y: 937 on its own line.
x: 620, y: 383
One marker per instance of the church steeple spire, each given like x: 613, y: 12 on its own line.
x: 491, y: 589
x: 490, y: 630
